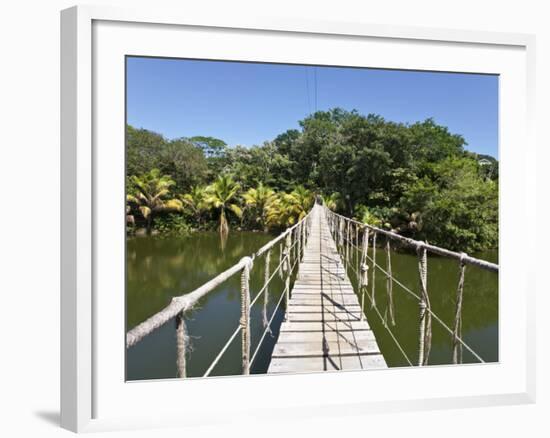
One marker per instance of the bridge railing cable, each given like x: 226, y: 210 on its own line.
x: 353, y: 236
x: 291, y: 242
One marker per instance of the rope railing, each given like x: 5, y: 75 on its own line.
x: 350, y: 241
x: 292, y: 244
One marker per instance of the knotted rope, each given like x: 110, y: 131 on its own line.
x: 363, y: 277
x: 182, y: 344
x: 286, y: 254
x: 266, y: 291
x: 457, y: 332
x: 245, y: 314
x: 347, y: 243
x: 389, y: 284
x: 373, y: 296
x: 281, y: 260
x: 425, y: 335
x: 357, y: 262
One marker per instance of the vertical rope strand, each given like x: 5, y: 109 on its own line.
x: 425, y: 335
x: 266, y: 291
x: 389, y: 283
x: 182, y: 341
x: 373, y: 296
x: 457, y: 332
x: 245, y: 315
x: 288, y: 242
x: 364, y: 280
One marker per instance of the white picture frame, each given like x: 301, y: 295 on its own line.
x: 90, y: 401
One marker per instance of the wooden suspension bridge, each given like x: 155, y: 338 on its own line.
x: 324, y: 328
x: 324, y: 325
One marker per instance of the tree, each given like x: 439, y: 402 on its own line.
x: 333, y: 201
x: 298, y: 203
x: 149, y: 193
x: 454, y: 206
x: 222, y: 196
x: 196, y: 202
x: 261, y: 199
x: 184, y: 162
x: 143, y: 149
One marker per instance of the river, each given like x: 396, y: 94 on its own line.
x: 159, y: 268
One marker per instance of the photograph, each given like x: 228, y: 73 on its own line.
x: 288, y: 218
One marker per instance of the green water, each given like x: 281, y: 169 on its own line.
x: 159, y: 268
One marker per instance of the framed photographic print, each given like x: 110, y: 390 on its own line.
x: 301, y: 209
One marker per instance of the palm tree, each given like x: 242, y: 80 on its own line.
x: 222, y: 195
x: 262, y: 199
x: 195, y: 201
x: 298, y: 203
x: 334, y: 201
x: 149, y: 193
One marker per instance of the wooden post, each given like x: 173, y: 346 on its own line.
x: 424, y: 340
x: 457, y: 332
x: 288, y: 243
x: 181, y: 345
x: 266, y: 286
x: 245, y: 314
x: 389, y: 282
x: 373, y: 298
x: 364, y: 278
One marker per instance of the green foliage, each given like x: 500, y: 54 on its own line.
x: 260, y: 202
x: 455, y: 206
x: 222, y: 196
x: 172, y: 225
x: 415, y: 179
x: 149, y: 193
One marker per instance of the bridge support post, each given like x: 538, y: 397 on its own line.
x: 363, y: 280
x: 245, y: 314
x: 288, y: 243
x: 425, y: 331
x: 457, y: 331
x: 181, y: 344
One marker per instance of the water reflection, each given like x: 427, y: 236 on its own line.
x: 159, y: 268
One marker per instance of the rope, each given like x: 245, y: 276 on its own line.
x: 425, y: 335
x: 265, y: 331
x: 222, y: 352
x: 389, y: 283
x: 288, y: 272
x: 238, y: 329
x: 363, y: 278
x: 245, y: 315
x: 373, y: 300
x: 357, y: 243
x: 409, y: 291
x: 433, y: 314
x: 400, y: 348
x: 281, y: 259
x: 182, y: 344
x: 266, y: 290
x: 457, y: 332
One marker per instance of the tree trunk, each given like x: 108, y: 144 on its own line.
x: 149, y: 225
x: 224, y: 228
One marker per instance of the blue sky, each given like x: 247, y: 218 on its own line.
x: 249, y: 103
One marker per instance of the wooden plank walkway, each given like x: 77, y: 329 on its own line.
x: 323, y: 330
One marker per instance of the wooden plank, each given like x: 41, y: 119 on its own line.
x: 320, y: 327
x: 349, y: 337
x: 296, y: 308
x: 324, y: 348
x: 307, y: 317
x: 320, y: 364
x: 323, y: 328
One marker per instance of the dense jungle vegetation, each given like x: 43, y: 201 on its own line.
x: 416, y: 179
